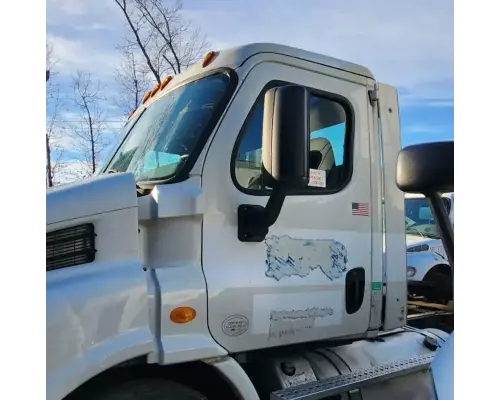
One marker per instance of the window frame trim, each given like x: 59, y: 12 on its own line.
x: 349, y: 140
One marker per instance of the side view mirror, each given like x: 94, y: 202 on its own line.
x: 285, y: 139
x: 429, y: 169
x: 285, y: 158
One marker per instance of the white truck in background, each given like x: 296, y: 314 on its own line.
x: 245, y: 240
x: 428, y: 270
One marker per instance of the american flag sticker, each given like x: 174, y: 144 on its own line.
x: 361, y: 209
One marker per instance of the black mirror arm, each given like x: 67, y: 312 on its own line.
x: 443, y: 224
x: 446, y: 231
x: 254, y: 220
x: 273, y: 206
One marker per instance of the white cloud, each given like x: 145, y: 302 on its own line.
x: 416, y: 102
x: 60, y: 12
x: 425, y: 129
x: 72, y: 55
x: 405, y: 43
x: 67, y: 7
x: 441, y: 103
x: 93, y: 27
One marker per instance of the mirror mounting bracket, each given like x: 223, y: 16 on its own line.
x: 254, y: 221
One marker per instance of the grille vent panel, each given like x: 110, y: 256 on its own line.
x: 70, y: 247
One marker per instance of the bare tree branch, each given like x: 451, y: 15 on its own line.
x: 54, y: 134
x: 135, y: 27
x: 132, y: 80
x: 183, y: 45
x: 53, y: 130
x: 160, y: 42
x: 89, y: 131
x: 159, y: 18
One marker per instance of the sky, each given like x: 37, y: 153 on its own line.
x: 405, y: 43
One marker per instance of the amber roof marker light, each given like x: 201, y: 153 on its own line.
x: 209, y: 57
x: 165, y: 82
x: 155, y: 89
x: 146, y: 97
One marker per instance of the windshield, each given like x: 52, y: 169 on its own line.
x: 419, y: 219
x: 164, y: 136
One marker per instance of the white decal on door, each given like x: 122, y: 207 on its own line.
x: 284, y: 323
x: 280, y: 314
x: 289, y: 257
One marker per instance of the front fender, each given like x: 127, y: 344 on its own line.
x: 423, y: 263
x: 97, y: 317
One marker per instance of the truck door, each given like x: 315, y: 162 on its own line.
x: 310, y: 278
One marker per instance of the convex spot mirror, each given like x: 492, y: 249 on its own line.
x: 426, y: 168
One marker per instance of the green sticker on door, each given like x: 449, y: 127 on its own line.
x: 376, y: 286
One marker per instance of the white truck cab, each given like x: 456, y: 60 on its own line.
x: 422, y: 235
x: 185, y: 254
x: 428, y: 269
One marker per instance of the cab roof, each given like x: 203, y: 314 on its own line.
x: 235, y: 57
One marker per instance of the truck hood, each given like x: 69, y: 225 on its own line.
x: 412, y: 240
x: 434, y: 244
x: 416, y: 239
x: 96, y: 195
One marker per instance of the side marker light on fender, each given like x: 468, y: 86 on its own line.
x: 182, y: 315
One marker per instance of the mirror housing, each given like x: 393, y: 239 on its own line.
x: 285, y: 158
x: 285, y: 138
x: 426, y: 168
